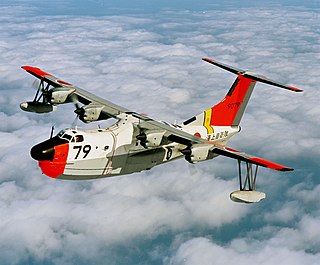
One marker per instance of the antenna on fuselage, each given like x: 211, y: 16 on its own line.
x: 52, y: 130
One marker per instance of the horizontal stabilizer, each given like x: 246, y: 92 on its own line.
x: 251, y: 75
x: 224, y: 66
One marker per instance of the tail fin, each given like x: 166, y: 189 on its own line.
x: 230, y: 110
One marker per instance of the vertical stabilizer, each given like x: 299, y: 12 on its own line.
x: 229, y: 111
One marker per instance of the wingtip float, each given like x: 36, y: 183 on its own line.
x: 137, y: 142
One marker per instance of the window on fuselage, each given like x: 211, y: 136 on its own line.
x: 79, y: 138
x: 61, y: 133
x: 67, y: 137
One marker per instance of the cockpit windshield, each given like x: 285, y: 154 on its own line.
x: 70, y: 136
x: 67, y: 137
x: 61, y: 133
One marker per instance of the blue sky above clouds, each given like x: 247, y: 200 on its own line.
x: 147, y: 57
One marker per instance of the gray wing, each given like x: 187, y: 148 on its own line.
x: 96, y: 108
x: 58, y: 92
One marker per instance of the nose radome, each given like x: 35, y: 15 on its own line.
x: 41, y: 152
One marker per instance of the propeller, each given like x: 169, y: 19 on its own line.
x: 43, y: 91
x: 35, y: 84
x: 79, y: 110
x: 74, y: 99
x: 192, y: 169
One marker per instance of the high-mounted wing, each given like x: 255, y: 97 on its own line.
x: 62, y: 92
x: 71, y: 93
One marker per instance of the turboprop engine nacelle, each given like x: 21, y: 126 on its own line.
x: 37, y: 107
x: 154, y: 139
x: 196, y: 153
x: 60, y: 96
x: 90, y: 113
x: 151, y: 139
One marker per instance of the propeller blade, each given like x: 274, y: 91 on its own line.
x: 35, y: 84
x: 74, y: 99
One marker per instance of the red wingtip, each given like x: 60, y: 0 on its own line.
x: 35, y: 71
x: 270, y: 164
x: 208, y: 60
x: 295, y: 89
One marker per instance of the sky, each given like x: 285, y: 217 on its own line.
x: 146, y: 56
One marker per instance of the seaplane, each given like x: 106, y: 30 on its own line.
x: 136, y: 142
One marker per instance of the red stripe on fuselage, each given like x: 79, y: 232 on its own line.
x: 56, y: 167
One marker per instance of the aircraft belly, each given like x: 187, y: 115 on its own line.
x: 93, y: 169
x: 145, y: 160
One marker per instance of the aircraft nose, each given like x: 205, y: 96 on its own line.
x: 40, y: 152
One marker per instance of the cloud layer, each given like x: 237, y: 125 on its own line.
x: 172, y: 214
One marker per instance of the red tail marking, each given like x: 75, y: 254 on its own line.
x: 56, y: 167
x: 224, y: 113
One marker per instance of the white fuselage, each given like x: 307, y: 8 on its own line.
x: 116, y: 150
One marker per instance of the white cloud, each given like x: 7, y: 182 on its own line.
x: 287, y: 213
x: 204, y: 251
x: 156, y: 61
x: 305, y: 191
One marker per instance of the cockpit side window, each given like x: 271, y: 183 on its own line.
x: 61, y: 133
x: 67, y: 136
x: 79, y: 138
